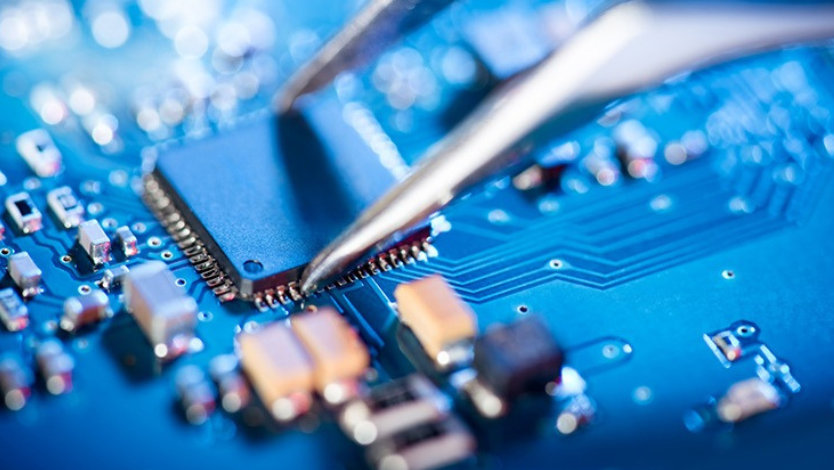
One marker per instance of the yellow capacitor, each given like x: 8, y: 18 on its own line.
x: 338, y: 355
x: 280, y: 370
x: 438, y: 318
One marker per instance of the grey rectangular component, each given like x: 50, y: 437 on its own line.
x: 127, y: 241
x: 94, y: 241
x: 164, y: 312
x: 66, y: 207
x: 13, y: 312
x: 25, y: 273
x: 24, y: 213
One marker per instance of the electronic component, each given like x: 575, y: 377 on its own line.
x: 113, y: 277
x: 94, y: 241
x: 15, y: 381
x: 55, y: 366
x: 392, y: 407
x: 40, y: 153
x: 234, y: 391
x: 746, y: 399
x: 13, y: 312
x: 85, y: 310
x: 166, y: 314
x: 636, y: 149
x: 511, y: 360
x: 577, y: 411
x: 442, y: 323
x: 423, y: 447
x: 279, y: 369
x: 740, y: 341
x: 66, y: 207
x: 538, y: 178
x: 127, y: 241
x: 338, y: 354
x: 195, y: 394
x: 728, y: 344
x: 25, y: 273
x: 24, y: 213
x: 246, y: 224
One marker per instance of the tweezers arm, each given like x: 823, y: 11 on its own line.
x: 379, y: 24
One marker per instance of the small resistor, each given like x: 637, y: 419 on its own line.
x: 113, y: 277
x: 13, y: 312
x: 25, y: 273
x: 56, y: 366
x: 234, y: 391
x: 195, y: 393
x: 94, y: 241
x: 127, y: 241
x: 66, y: 207
x: 15, y: 381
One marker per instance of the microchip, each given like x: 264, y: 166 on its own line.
x: 251, y: 206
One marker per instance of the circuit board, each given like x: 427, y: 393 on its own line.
x: 670, y: 262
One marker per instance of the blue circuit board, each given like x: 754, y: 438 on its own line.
x: 676, y: 247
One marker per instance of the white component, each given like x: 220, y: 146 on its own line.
x: 66, y: 207
x: 94, y: 241
x: 13, y: 312
x: 162, y: 309
x: 56, y: 366
x: 127, y: 241
x: 40, y: 152
x: 23, y: 212
x: 25, y: 273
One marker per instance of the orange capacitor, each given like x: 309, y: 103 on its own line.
x: 338, y: 354
x: 279, y: 368
x: 438, y: 318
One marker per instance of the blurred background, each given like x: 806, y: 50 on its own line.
x: 711, y: 187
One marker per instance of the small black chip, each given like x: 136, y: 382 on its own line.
x: 518, y: 358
